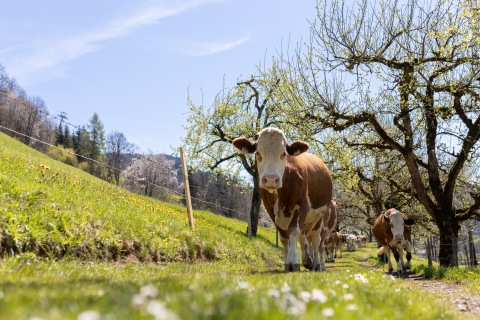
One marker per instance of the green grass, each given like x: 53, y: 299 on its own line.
x: 470, y: 277
x: 62, y: 290
x: 72, y: 243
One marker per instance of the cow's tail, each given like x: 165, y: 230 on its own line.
x: 381, y: 250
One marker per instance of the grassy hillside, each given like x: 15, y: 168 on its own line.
x: 50, y: 209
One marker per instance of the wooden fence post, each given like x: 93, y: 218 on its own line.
x: 470, y: 248
x: 248, y: 218
x: 276, y: 240
x: 188, y: 199
x: 429, y: 253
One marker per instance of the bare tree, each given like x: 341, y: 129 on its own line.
x: 118, y: 150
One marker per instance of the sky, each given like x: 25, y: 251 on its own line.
x: 133, y: 61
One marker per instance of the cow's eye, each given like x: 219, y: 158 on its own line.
x: 282, y: 156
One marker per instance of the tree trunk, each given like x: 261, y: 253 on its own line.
x: 448, y: 243
x: 256, y: 203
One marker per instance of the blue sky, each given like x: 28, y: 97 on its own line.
x: 132, y: 61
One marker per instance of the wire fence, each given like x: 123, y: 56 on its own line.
x: 121, y: 172
x: 123, y: 148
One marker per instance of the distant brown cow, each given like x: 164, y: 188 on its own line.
x: 333, y: 244
x: 363, y: 242
x: 392, y: 229
x: 296, y: 189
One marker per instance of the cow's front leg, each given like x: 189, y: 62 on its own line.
x: 292, y: 263
x: 284, y: 241
x: 322, y: 250
x: 397, y: 259
x: 341, y: 249
x: 408, y: 265
x: 304, y: 246
x: 387, y: 253
x: 332, y: 259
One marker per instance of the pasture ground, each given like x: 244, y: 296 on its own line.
x: 75, y: 247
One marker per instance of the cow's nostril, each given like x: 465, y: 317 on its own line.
x: 277, y: 181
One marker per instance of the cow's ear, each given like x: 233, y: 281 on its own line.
x: 409, y: 222
x: 297, y: 147
x: 385, y: 217
x: 244, y: 145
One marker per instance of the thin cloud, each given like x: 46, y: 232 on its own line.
x: 50, y: 60
x: 203, y: 49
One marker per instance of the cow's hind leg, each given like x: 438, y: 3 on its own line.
x: 322, y: 251
x: 306, y: 258
x: 408, y: 265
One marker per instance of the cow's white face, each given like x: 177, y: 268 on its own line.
x: 397, y: 224
x: 271, y: 149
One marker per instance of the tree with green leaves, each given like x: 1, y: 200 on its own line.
x: 241, y: 111
x: 67, y: 138
x: 97, y: 148
x: 59, y: 135
x: 401, y: 78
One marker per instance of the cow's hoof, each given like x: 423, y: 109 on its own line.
x: 333, y: 260
x: 290, y: 267
x: 408, y: 265
x: 316, y: 267
x: 308, y: 263
x: 390, y: 270
x: 399, y: 272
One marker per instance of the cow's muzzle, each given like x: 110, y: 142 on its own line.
x: 399, y: 237
x: 270, y: 182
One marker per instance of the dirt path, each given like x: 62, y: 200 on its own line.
x: 455, y: 294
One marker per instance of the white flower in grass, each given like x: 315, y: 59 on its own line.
x: 393, y: 278
x: 305, y: 296
x: 285, y: 288
x: 243, y: 284
x: 159, y: 311
x: 351, y: 307
x: 318, y: 296
x: 274, y: 293
x: 345, y: 286
x: 360, y: 278
x: 226, y: 292
x: 139, y: 301
x: 291, y: 305
x: 328, y: 312
x: 337, y: 281
x: 348, y: 296
x: 89, y: 315
x: 149, y: 291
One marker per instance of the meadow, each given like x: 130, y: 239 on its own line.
x: 75, y: 247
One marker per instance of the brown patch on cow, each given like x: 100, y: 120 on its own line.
x: 302, y: 173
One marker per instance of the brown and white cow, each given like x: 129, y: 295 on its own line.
x: 363, y: 241
x: 334, y: 243
x: 393, y: 230
x: 326, y: 225
x: 296, y: 189
x: 351, y: 242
